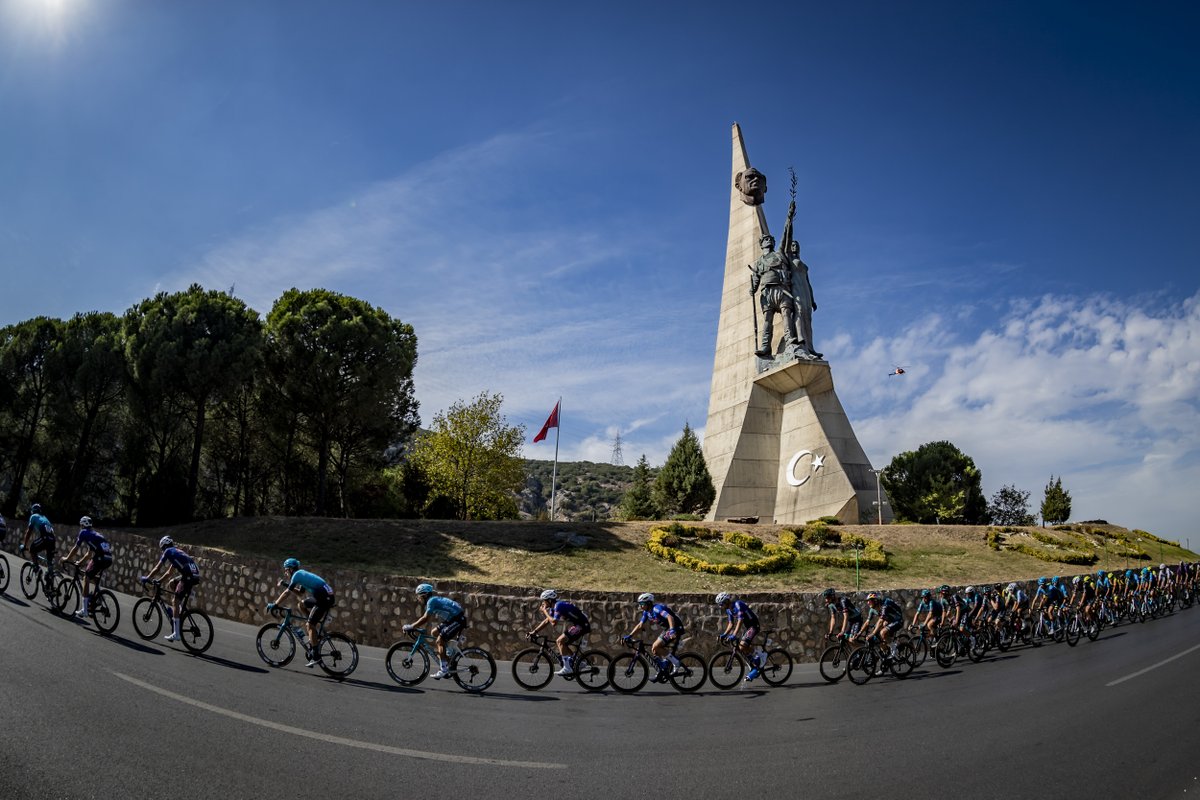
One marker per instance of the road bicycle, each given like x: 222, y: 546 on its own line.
x: 533, y: 667
x: 103, y: 607
x: 1044, y: 627
x: 40, y: 575
x: 727, y: 667
x: 3, y: 573
x: 872, y: 659
x: 472, y: 668
x: 953, y: 643
x: 630, y: 671
x: 195, y: 627
x: 835, y: 658
x: 336, y: 653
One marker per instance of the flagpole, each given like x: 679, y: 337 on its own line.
x: 554, y: 472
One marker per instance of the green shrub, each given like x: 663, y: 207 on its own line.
x: 743, y: 540
x: 829, y: 520
x: 663, y: 542
x: 817, y: 533
x: 788, y: 538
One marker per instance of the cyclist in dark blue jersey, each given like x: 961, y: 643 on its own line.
x: 884, y: 618
x: 851, y: 616
x: 741, y: 626
x: 318, y: 605
x: 181, y: 585
x: 98, y: 552
x: 667, y: 642
x: 577, y: 625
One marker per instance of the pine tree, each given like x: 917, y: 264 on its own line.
x: 683, y: 486
x: 1010, y: 506
x: 1056, y: 507
x: 637, y: 502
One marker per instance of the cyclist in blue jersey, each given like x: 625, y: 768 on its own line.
x: 318, y: 605
x: 667, y: 642
x: 99, y: 554
x: 741, y: 626
x: 1049, y: 596
x: 452, y: 620
x: 973, y: 614
x: 577, y: 625
x: 888, y: 618
x: 931, y: 607
x: 182, y: 584
x: 851, y: 616
x: 41, y: 532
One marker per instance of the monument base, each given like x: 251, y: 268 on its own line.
x: 790, y: 452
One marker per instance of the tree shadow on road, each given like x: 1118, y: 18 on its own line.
x: 132, y: 645
x: 527, y: 698
x: 16, y: 601
x: 394, y: 688
x: 224, y: 662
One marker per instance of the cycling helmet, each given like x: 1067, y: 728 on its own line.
x: 36, y: 508
x: 969, y: 590
x: 1162, y: 566
x: 1078, y: 579
x: 1128, y: 573
x: 1099, y: 573
x: 85, y: 522
x: 1012, y: 587
x: 165, y: 542
x: 829, y: 594
x: 644, y: 598
x: 424, y: 588
x: 873, y: 597
x: 944, y: 589
x: 926, y: 594
x: 1057, y: 579
x: 549, y: 594
x: 1041, y: 581
x: 291, y: 563
x: 722, y: 598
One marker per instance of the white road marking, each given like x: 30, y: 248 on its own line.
x: 379, y: 748
x: 1154, y: 666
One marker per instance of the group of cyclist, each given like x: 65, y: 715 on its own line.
x: 92, y: 553
x: 973, y: 608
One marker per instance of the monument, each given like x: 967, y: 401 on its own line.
x: 777, y: 442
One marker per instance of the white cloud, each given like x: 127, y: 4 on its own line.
x: 1100, y: 391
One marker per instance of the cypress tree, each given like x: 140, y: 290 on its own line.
x: 683, y: 486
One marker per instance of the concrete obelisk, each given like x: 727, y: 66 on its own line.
x: 777, y: 442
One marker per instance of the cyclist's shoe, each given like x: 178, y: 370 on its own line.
x: 80, y: 614
x: 565, y: 671
x: 754, y: 673
x: 679, y: 670
x: 441, y: 673
x: 171, y: 637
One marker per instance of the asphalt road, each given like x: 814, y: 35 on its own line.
x: 83, y: 715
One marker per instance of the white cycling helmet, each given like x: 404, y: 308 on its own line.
x: 424, y: 588
x: 165, y: 542
x: 722, y: 598
x: 549, y: 594
x: 85, y: 522
x: 1077, y: 579
x: 969, y: 590
x: 645, y: 597
x: 1012, y: 587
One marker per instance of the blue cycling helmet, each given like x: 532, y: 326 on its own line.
x: 291, y: 563
x: 424, y: 588
x: 1041, y: 581
x: 1099, y: 573
x: 36, y: 508
x: 926, y: 594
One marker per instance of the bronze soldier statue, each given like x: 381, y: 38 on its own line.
x: 773, y: 272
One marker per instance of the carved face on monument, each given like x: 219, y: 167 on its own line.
x: 767, y: 243
x: 794, y: 249
x: 752, y: 184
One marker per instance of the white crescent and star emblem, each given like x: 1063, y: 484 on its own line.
x: 817, y: 463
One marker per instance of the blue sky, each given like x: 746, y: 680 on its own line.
x: 1000, y: 196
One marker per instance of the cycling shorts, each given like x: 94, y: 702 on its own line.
x: 892, y: 627
x: 318, y: 605
x: 96, y: 566
x: 671, y: 634
x: 183, y: 589
x: 452, y: 627
x: 749, y: 634
x: 45, y: 543
x: 576, y: 632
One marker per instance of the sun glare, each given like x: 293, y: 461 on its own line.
x: 49, y: 19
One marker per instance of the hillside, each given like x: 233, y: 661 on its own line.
x: 587, y: 490
x: 613, y: 556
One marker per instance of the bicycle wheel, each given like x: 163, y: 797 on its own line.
x: 29, y: 580
x: 147, y: 618
x: 726, y: 669
x: 920, y: 650
x: 275, y: 644
x: 1092, y: 630
x: 690, y: 674
x: 3, y: 574
x: 105, y: 611
x: 902, y: 661
x: 407, y: 664
x: 628, y: 673
x: 532, y: 669
x: 977, y: 647
x: 337, y: 655
x: 1074, y: 630
x: 63, y: 594
x: 860, y: 667
x: 776, y: 668
x: 474, y: 669
x: 591, y: 670
x: 196, y: 631
x: 833, y: 663
x: 945, y: 650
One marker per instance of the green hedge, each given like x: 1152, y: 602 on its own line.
x: 663, y: 542
x: 1058, y: 557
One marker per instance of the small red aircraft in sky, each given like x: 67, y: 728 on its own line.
x: 898, y: 371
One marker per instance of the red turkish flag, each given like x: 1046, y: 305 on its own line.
x: 550, y: 423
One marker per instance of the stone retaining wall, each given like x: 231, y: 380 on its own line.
x: 372, y: 607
